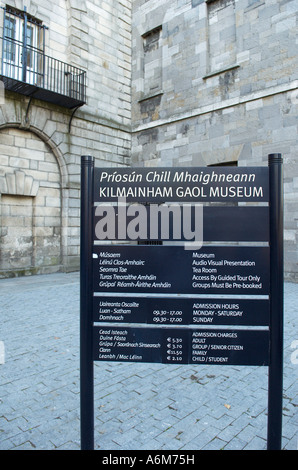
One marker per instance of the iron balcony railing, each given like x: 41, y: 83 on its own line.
x: 27, y: 70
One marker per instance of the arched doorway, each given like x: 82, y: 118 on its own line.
x: 30, y: 195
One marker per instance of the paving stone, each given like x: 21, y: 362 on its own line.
x: 137, y: 406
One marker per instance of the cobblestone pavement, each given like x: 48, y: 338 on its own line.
x: 137, y: 406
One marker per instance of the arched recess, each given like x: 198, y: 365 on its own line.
x: 33, y: 174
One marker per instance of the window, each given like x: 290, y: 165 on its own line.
x: 23, y: 47
x: 27, y: 70
x: 152, y: 62
x: 221, y: 34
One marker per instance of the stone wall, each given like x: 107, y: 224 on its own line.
x: 30, y: 203
x: 171, y: 83
x: 228, y: 90
x: 37, y: 136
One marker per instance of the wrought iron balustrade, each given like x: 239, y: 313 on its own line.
x: 27, y: 70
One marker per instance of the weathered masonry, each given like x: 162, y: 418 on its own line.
x: 214, y: 82
x: 145, y: 83
x: 65, y: 90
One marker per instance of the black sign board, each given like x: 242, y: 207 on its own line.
x: 210, y: 270
x: 166, y: 222
x: 192, y: 300
x: 181, y: 184
x: 178, y: 310
x: 181, y: 346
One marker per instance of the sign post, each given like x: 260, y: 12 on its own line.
x: 86, y: 320
x: 183, y: 302
x: 275, y: 385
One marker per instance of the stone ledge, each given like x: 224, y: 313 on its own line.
x: 218, y: 72
x: 149, y: 97
x: 240, y: 100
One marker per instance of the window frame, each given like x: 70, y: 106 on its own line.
x: 23, y: 46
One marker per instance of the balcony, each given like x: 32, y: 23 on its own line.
x: 30, y: 72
